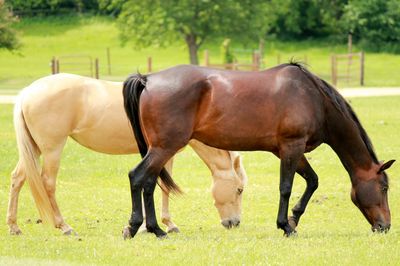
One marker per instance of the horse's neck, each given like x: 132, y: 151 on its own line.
x: 345, y: 139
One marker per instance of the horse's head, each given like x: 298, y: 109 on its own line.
x: 227, y: 192
x: 370, y: 196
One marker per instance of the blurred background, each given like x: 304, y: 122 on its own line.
x: 350, y: 43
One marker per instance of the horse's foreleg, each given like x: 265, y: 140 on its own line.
x: 304, y: 169
x: 165, y: 215
x: 51, y: 162
x: 290, y: 154
x: 17, y: 181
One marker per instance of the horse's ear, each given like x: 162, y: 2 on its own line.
x: 385, y: 166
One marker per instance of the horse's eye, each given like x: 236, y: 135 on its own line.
x: 239, y: 191
x: 384, y: 189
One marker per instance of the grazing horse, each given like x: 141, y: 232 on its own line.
x: 91, y: 112
x: 285, y: 110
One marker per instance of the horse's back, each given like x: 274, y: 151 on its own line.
x: 87, y: 109
x: 247, y: 110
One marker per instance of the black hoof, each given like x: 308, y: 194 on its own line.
x: 162, y: 236
x: 160, y: 233
x: 290, y: 233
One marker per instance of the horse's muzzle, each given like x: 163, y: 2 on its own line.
x: 381, y: 228
x: 229, y: 223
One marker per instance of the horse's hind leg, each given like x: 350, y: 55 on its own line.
x: 51, y: 163
x: 304, y: 169
x: 17, y: 181
x: 165, y: 215
x: 144, y: 177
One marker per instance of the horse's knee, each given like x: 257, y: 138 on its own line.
x: 17, y: 183
x: 285, y: 190
x: 17, y: 179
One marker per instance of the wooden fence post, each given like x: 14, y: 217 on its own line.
x: 53, y: 65
x: 149, y: 64
x: 57, y: 65
x: 362, y: 62
x: 256, y: 61
x: 96, y: 67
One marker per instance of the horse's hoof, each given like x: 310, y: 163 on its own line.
x: 291, y: 233
x: 15, y: 232
x: 173, y: 230
x: 126, y: 233
x: 161, y: 237
x: 292, y: 222
x: 70, y: 232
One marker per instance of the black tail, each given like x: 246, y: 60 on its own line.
x: 133, y: 87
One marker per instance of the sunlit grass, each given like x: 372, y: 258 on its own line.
x: 93, y: 193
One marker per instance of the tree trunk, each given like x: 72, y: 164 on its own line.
x: 192, y: 45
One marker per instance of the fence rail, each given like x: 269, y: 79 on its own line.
x: 254, y: 65
x: 352, y: 64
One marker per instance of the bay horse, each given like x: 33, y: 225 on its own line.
x: 285, y: 110
x: 91, y: 112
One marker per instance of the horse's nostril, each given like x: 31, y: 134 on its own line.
x: 381, y: 228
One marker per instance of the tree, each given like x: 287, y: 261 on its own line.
x: 375, y: 24
x: 301, y: 19
x: 161, y: 22
x: 8, y: 38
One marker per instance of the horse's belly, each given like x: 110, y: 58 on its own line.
x: 238, y: 140
x: 110, y: 141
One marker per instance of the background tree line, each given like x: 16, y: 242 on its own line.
x: 375, y: 24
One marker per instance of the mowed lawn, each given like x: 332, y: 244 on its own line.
x: 93, y: 193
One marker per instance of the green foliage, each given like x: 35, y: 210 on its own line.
x: 374, y: 23
x: 48, y: 7
x: 161, y: 23
x: 302, y: 19
x: 42, y: 38
x: 8, y: 36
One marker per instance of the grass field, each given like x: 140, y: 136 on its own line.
x: 93, y: 194
x: 87, y: 35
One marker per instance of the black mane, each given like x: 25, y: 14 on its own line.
x: 340, y: 103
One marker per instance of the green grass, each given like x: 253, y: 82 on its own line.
x: 43, y: 38
x: 93, y: 194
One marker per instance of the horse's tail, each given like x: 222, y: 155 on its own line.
x: 132, y: 89
x: 29, y: 161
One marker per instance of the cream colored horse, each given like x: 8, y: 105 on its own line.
x: 91, y: 112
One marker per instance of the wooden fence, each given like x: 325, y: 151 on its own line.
x: 348, y: 67
x: 79, y: 64
x: 254, y: 65
x: 86, y: 66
